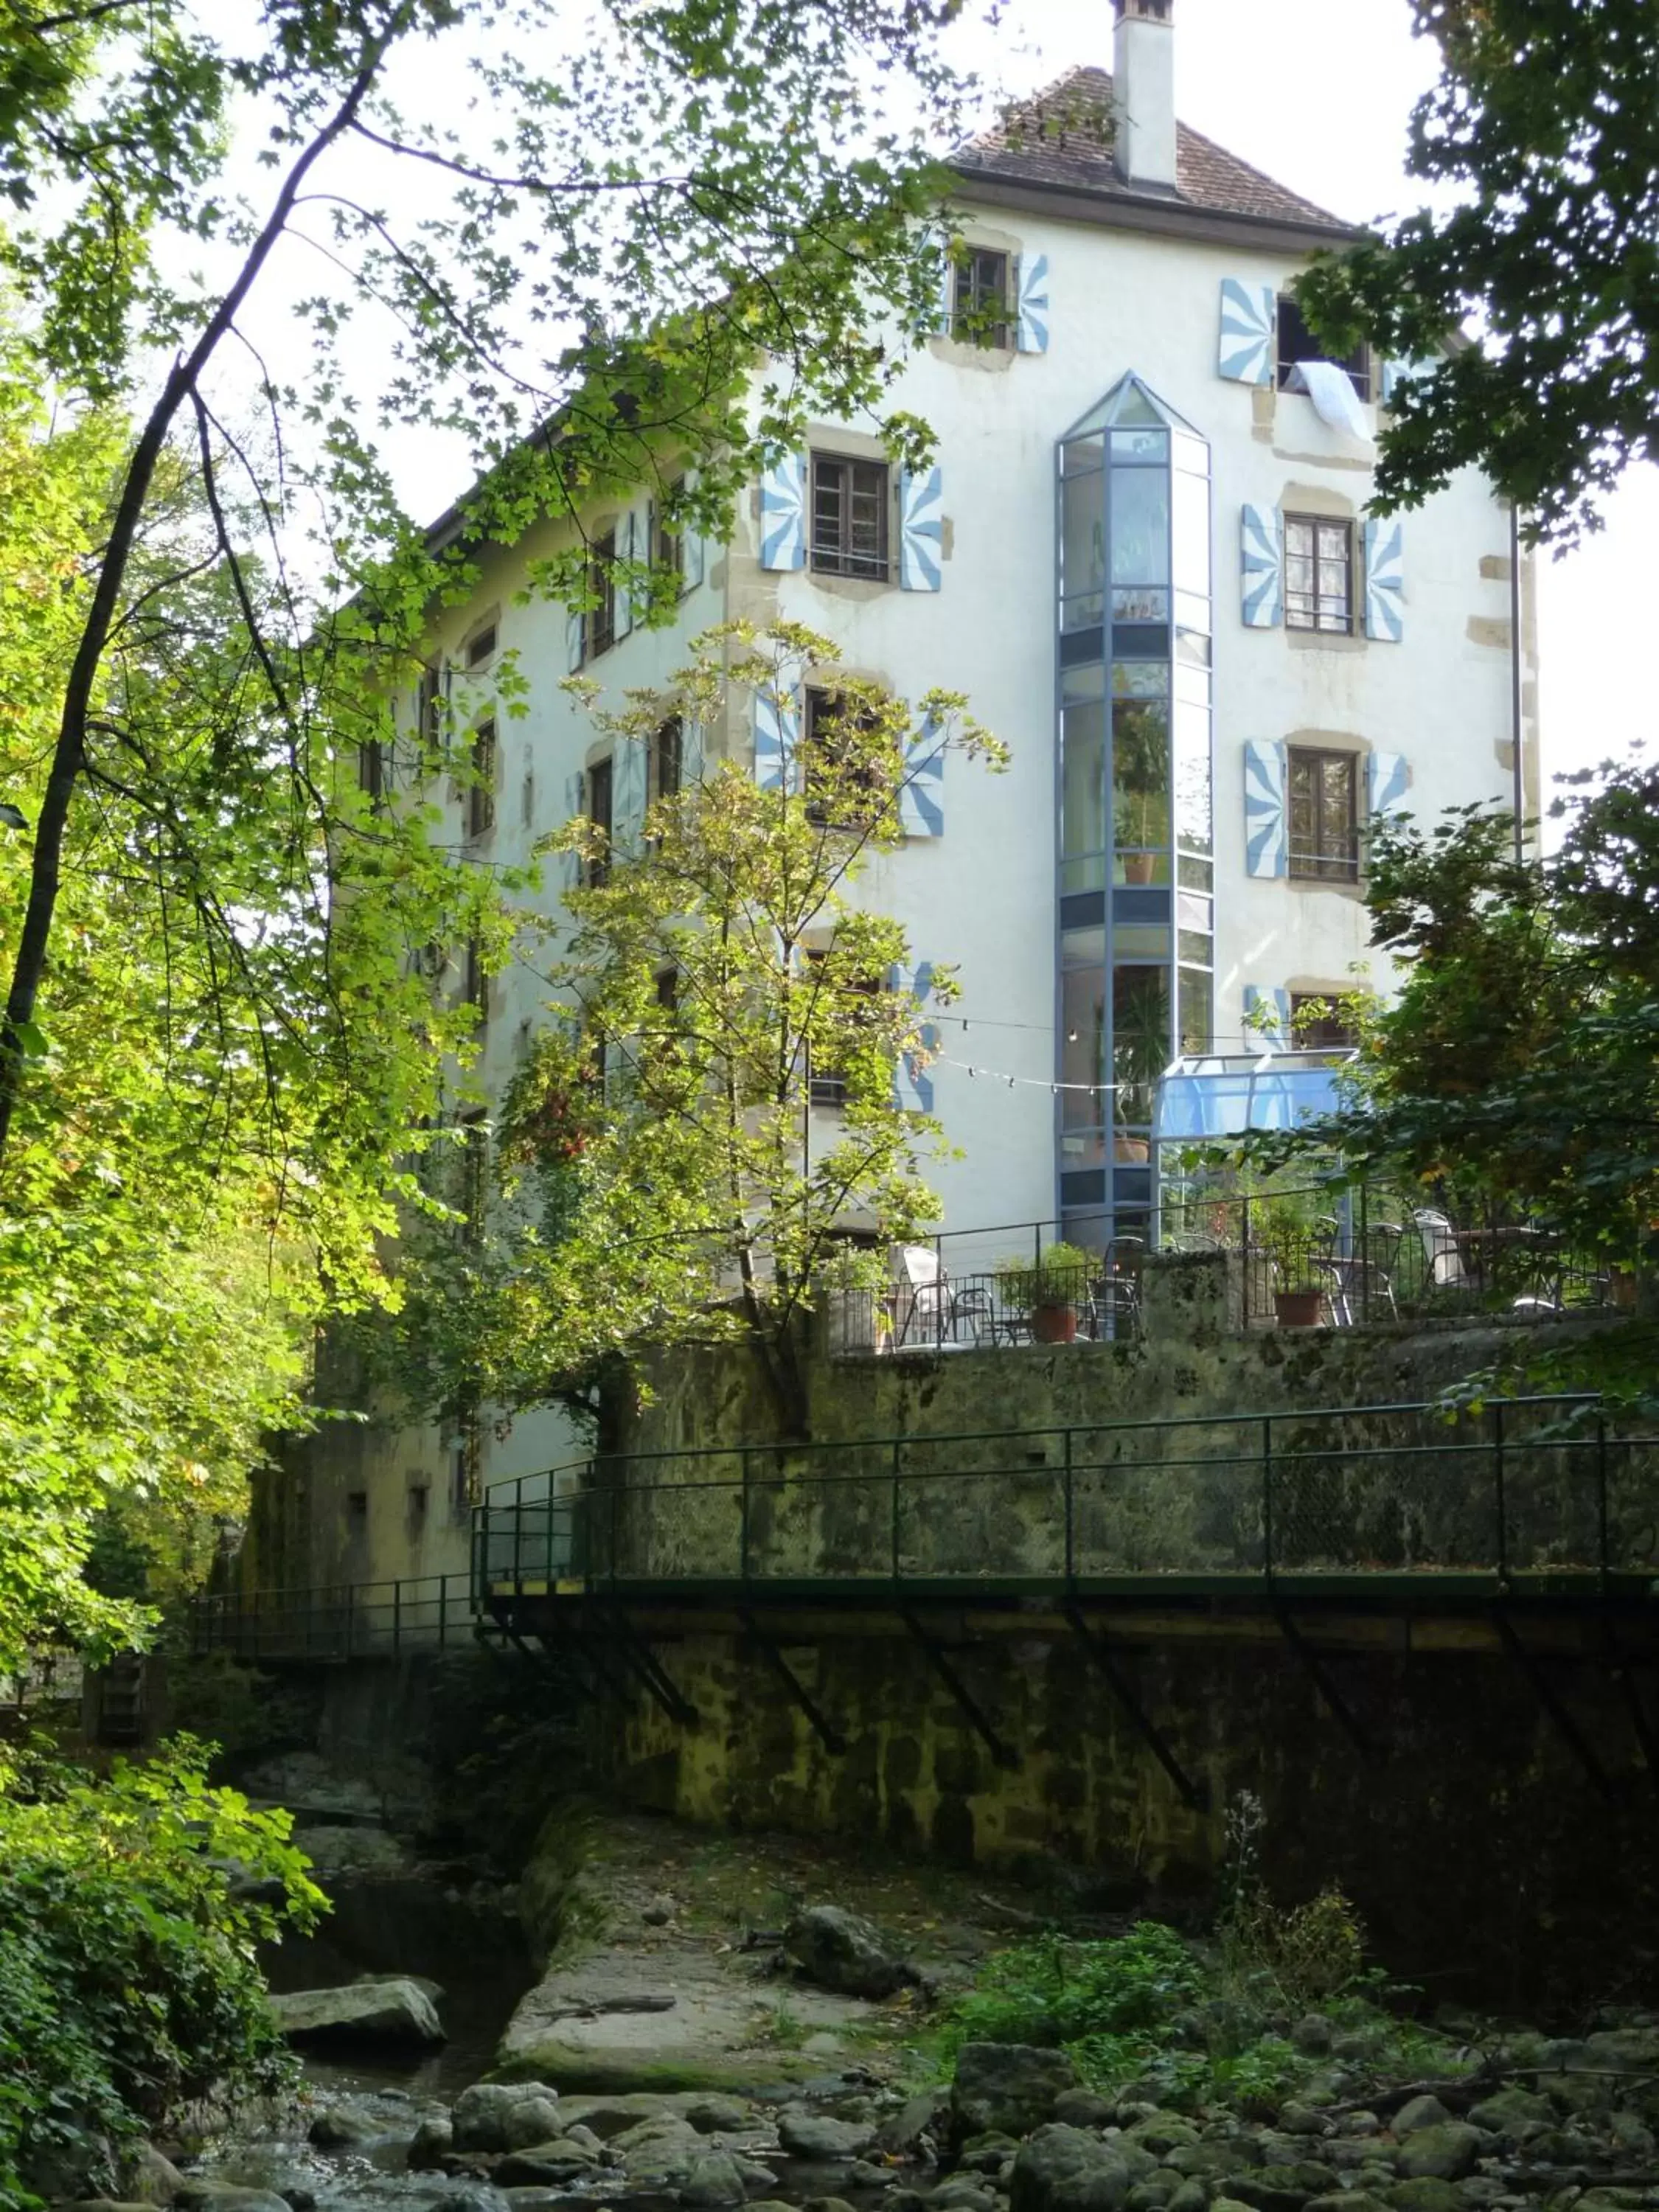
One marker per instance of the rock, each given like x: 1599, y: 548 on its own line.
x: 1154, y: 2193
x: 658, y: 1912
x: 1083, y: 2108
x: 339, y: 2127
x: 1162, y: 2132
x: 1359, y: 2123
x: 434, y: 2139
x: 840, y: 1951
x: 543, y: 2163
x: 149, y: 2178
x: 1010, y: 2087
x: 813, y: 2134
x: 395, y: 2013
x: 1314, y: 2034
x: 1277, y: 2188
x: 715, y: 2178
x: 1626, y: 2050
x: 1512, y: 2113
x: 1346, y: 2200
x: 919, y: 2115
x: 1200, y: 2160
x: 1190, y: 2196
x: 535, y: 2120
x: 1420, y: 2112
x: 1303, y: 2120
x: 479, y: 2119
x: 1445, y: 2152
x: 202, y: 2194
x: 661, y: 2152
x: 714, y: 2116
x: 1424, y: 2194
x: 863, y: 2175
x: 1061, y: 2169
x: 992, y: 2152
x: 527, y: 2199
x: 826, y: 2204
x: 963, y: 2193
x: 472, y: 2196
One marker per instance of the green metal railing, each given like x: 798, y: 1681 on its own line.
x: 1531, y: 1490
x: 338, y: 1620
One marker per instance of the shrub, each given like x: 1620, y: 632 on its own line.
x: 128, y: 1981
x: 1051, y: 1991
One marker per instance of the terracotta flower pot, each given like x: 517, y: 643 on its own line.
x: 1297, y: 1309
x: 1054, y: 1324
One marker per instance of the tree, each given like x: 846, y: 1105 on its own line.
x: 1546, y: 124
x: 1518, y: 1069
x: 219, y: 1050
x: 658, y: 1181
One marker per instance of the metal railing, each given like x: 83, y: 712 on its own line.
x: 1020, y: 1302
x: 336, y: 1621
x: 1531, y: 1488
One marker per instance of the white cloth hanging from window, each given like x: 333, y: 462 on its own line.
x: 1331, y: 390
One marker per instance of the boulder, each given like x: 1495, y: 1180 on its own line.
x: 1295, y: 2119
x: 661, y: 2153
x: 533, y: 2120
x: 963, y: 2193
x: 713, y: 2178
x: 1418, y: 2113
x: 714, y: 2115
x: 434, y: 2140
x: 924, y: 2115
x: 1009, y: 2087
x: 203, y: 2194
x: 1445, y: 2152
x: 1425, y: 2194
x: 341, y: 2127
x: 394, y: 2013
x: 1084, y: 2108
x: 1314, y: 2034
x: 1512, y: 2113
x: 472, y: 2196
x: 1279, y: 2188
x: 1625, y: 2050
x: 1162, y: 2132
x: 840, y: 1951
x: 813, y: 2134
x: 545, y: 2164
x: 149, y: 2178
x: 479, y: 2119
x: 1061, y: 2169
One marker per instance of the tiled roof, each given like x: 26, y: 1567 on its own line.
x: 1060, y: 138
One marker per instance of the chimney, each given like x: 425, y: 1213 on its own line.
x: 1143, y: 93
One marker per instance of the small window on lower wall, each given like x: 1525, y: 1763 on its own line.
x: 980, y: 298
x: 1322, y: 803
x: 1318, y: 574
x: 1317, y: 1023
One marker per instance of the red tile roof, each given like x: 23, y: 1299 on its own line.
x: 1061, y: 137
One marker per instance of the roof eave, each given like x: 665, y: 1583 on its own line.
x: 1115, y: 209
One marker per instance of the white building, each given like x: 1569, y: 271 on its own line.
x: 1145, y: 557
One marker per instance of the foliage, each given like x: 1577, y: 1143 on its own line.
x: 1051, y: 1989
x: 127, y: 1976
x: 1516, y: 1075
x: 658, y: 1179
x: 220, y: 1057
x: 1058, y: 1276
x: 1545, y: 125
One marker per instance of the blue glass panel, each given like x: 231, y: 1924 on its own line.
x: 1083, y: 1189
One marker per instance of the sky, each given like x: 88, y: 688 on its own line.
x: 1318, y: 93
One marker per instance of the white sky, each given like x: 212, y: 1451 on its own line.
x: 1318, y: 93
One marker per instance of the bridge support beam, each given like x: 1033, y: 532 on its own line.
x: 1319, y: 1675
x: 1192, y: 1794
x: 973, y: 1711
x: 1545, y: 1691
x: 827, y: 1733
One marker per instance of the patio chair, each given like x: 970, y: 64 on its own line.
x: 1442, y: 1249
x: 926, y: 1313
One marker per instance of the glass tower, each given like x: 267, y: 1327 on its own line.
x: 1137, y: 863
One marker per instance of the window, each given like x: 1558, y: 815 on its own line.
x: 1297, y: 342
x: 480, y: 646
x: 371, y: 768
x: 1316, y: 1023
x: 475, y: 1175
x: 1324, y: 816
x: 980, y: 292
x: 826, y: 1087
x: 465, y: 1460
x: 668, y: 989
x: 419, y: 1496
x: 481, y: 793
x: 849, y: 517
x: 1318, y: 574
x: 834, y: 773
x: 598, y: 813
x: 428, y: 712
x: 599, y: 622
x: 668, y: 758
x: 357, y: 1510
x: 668, y: 545
x: 475, y: 987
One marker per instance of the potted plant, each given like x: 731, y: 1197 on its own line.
x: 1140, y: 784
x: 1141, y: 1050
x: 1280, y: 1231
x: 1046, y: 1289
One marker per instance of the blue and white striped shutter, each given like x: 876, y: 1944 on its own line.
x: 691, y: 557
x: 777, y: 743
x: 921, y: 530
x: 1031, y: 304
x: 627, y: 538
x: 576, y: 805
x: 628, y: 799
x: 693, y: 753
x: 1385, y: 580
x: 1276, y: 1030
x: 1388, y: 779
x: 944, y: 303
x: 1262, y: 552
x: 783, y: 514
x: 1267, y: 839
x: 575, y: 631
x: 1249, y: 331
x: 921, y: 795
x: 913, y: 1079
